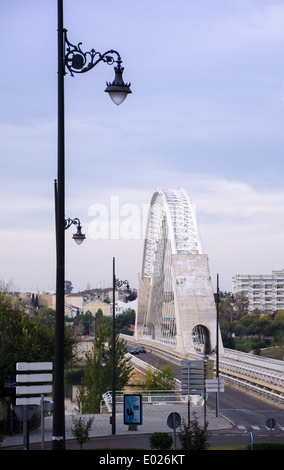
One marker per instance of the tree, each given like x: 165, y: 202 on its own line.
x: 98, y: 379
x: 85, y: 322
x: 161, y: 441
x: 241, y: 304
x: 125, y: 319
x: 24, y: 338
x: 68, y: 287
x: 159, y: 379
x: 81, y: 429
x: 192, y: 436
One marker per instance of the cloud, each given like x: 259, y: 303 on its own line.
x: 240, y: 226
x: 206, y: 114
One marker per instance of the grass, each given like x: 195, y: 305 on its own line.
x: 273, y: 353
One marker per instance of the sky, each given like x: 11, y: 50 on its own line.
x: 206, y: 114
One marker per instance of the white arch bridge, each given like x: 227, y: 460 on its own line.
x: 176, y: 304
x: 176, y: 311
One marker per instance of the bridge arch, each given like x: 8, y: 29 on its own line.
x: 201, y: 339
x: 171, y: 215
x: 175, y: 291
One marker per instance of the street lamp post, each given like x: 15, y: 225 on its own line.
x: 73, y: 59
x: 217, y: 347
x: 116, y: 283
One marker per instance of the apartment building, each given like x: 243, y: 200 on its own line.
x: 264, y: 291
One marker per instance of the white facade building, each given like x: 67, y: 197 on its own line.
x: 120, y: 306
x: 264, y: 292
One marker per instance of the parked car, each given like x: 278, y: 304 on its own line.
x: 141, y: 349
x: 134, y: 351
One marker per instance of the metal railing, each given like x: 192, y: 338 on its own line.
x: 259, y: 373
x: 153, y: 397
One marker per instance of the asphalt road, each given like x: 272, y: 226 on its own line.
x: 246, y: 411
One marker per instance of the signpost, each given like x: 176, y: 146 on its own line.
x: 214, y: 385
x: 30, y: 394
x: 197, y: 379
x: 192, y: 377
x: 270, y: 424
x: 192, y: 380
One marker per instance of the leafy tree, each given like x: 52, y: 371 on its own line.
x: 124, y: 320
x: 102, y: 322
x: 81, y: 429
x: 161, y: 441
x: 192, y: 436
x: 68, y: 287
x: 159, y: 379
x: 98, y: 379
x: 24, y: 338
x: 85, y: 322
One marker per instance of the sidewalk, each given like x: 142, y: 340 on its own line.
x: 154, y: 420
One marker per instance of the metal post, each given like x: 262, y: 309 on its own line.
x: 58, y: 414
x: 175, y: 433
x: 42, y: 420
x: 217, y: 348
x: 113, y: 423
x: 25, y: 428
x: 188, y: 396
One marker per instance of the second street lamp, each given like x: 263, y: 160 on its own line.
x: 116, y: 283
x: 71, y: 58
x: 79, y: 237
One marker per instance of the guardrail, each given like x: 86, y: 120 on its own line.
x: 264, y: 375
x: 264, y: 370
x: 154, y: 397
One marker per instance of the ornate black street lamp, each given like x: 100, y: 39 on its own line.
x: 71, y: 58
x: 217, y: 346
x: 116, y: 283
x: 79, y: 237
x: 77, y: 61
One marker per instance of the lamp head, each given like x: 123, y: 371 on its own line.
x: 79, y: 237
x: 103, y: 361
x: 118, y: 90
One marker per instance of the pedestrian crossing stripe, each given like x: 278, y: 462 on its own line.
x: 255, y: 427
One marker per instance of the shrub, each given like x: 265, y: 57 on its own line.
x: 161, y: 441
x: 81, y: 429
x: 193, y: 436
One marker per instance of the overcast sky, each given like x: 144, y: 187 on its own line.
x: 206, y: 114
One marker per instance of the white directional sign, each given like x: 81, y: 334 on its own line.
x: 33, y: 366
x: 33, y: 389
x: 192, y: 377
x: 37, y: 384
x: 25, y: 378
x: 214, y: 385
x: 32, y: 400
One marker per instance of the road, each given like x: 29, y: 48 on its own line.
x: 246, y: 411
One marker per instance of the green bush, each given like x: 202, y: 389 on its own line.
x: 81, y: 429
x: 193, y: 436
x: 161, y: 441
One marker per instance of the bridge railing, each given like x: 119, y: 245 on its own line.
x: 153, y: 397
x: 257, y: 372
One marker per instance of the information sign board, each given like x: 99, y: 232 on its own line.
x: 132, y: 409
x: 192, y: 377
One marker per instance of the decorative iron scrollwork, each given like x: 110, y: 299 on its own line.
x: 78, y: 61
x: 69, y: 222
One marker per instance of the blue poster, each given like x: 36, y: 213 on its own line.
x: 132, y: 409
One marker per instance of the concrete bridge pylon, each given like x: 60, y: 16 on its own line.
x: 176, y: 305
